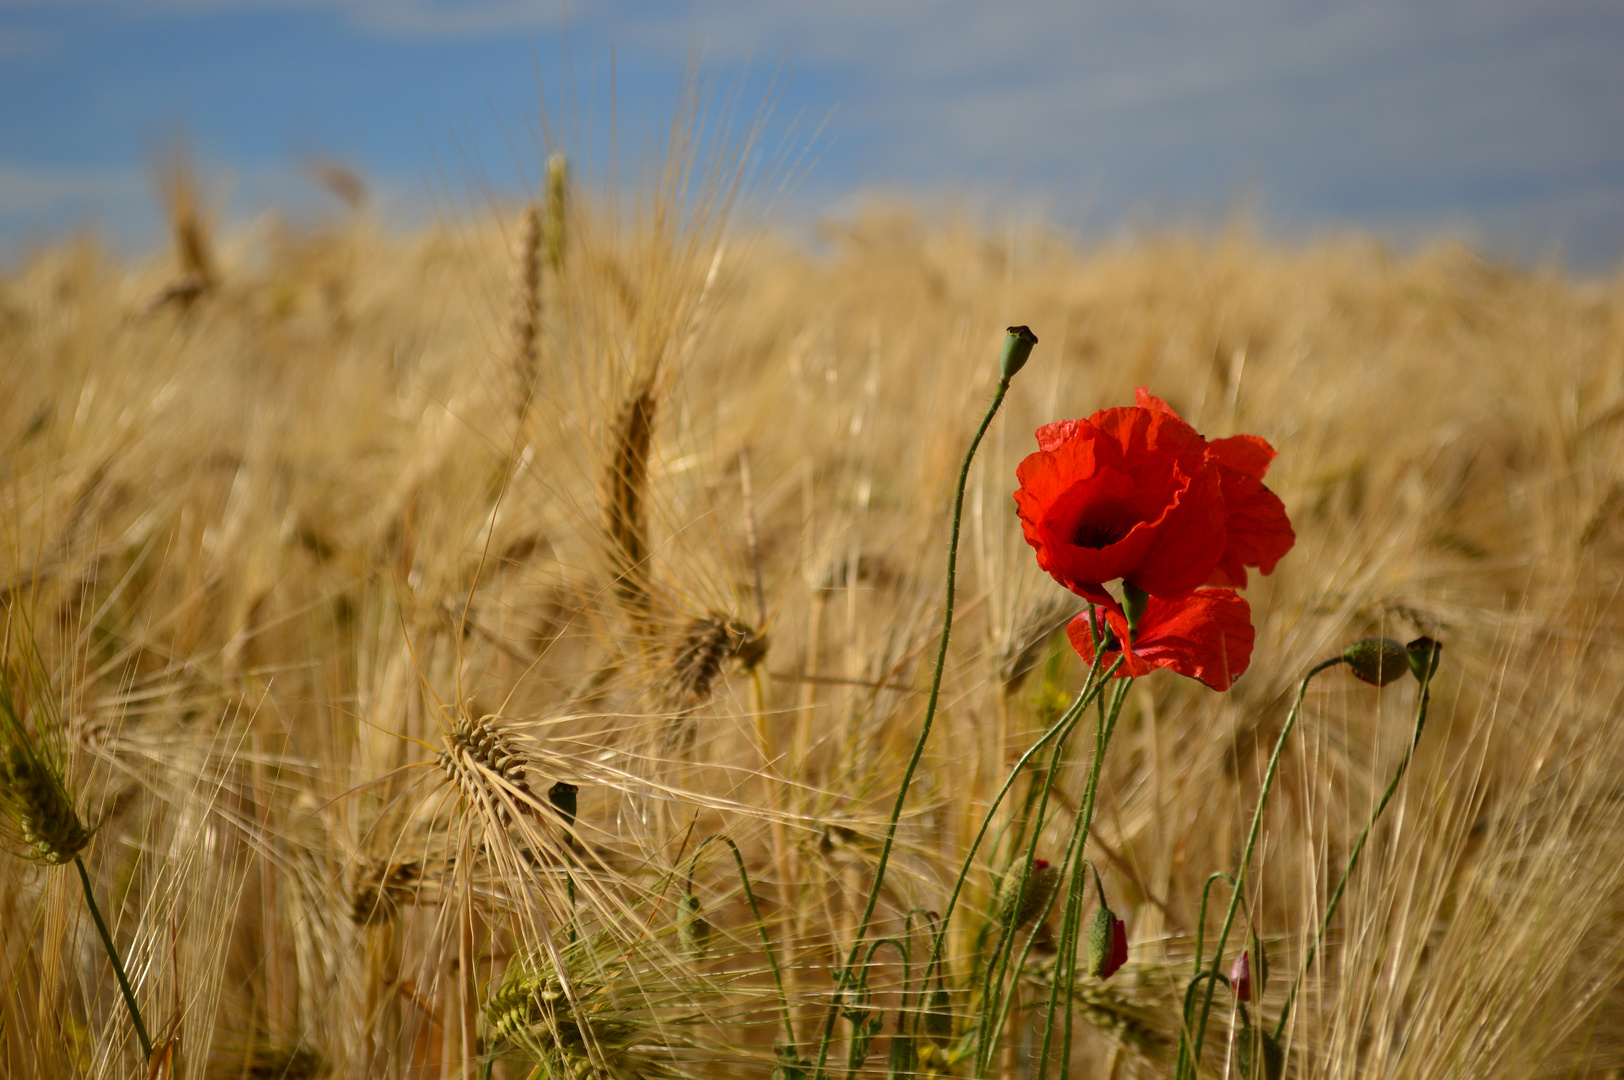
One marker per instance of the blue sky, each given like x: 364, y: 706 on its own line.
x: 1499, y: 119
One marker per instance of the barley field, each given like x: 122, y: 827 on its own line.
x: 497, y: 651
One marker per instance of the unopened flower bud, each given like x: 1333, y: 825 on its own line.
x: 1017, y: 348
x: 1377, y: 660
x: 1107, y: 944
x: 1258, y: 1056
x: 1424, y: 654
x: 1040, y: 888
x: 904, y: 1058
x: 692, y: 928
x: 939, y: 1016
x: 1240, y: 976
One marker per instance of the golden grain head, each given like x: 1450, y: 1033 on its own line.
x: 37, y: 807
x: 489, y: 767
x: 380, y: 889
x: 703, y: 648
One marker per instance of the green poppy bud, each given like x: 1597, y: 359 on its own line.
x: 1377, y: 660
x: 1258, y: 1056
x: 904, y: 1059
x: 1040, y: 888
x: 1107, y: 944
x: 939, y: 1016
x: 1017, y: 348
x: 693, y: 931
x: 1424, y: 654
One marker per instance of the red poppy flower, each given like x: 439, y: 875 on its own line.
x: 1126, y: 493
x: 1137, y: 494
x: 1206, y: 635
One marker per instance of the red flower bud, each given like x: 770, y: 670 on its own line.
x: 1240, y: 976
x: 1107, y: 944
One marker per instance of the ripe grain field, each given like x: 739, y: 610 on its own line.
x: 495, y: 651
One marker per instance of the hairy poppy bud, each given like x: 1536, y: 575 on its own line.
x: 692, y: 929
x: 1424, y: 654
x: 1377, y: 660
x: 1257, y: 1055
x: 1240, y: 976
x: 1107, y: 944
x: 904, y: 1058
x: 939, y: 1016
x: 1040, y: 888
x: 1017, y: 348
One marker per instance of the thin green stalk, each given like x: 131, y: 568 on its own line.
x: 924, y: 729
x: 118, y: 965
x: 1066, y: 956
x: 1188, y: 1057
x: 1090, y: 800
x: 761, y: 927
x: 1353, y: 860
x: 1061, y: 728
x: 1201, y: 918
x: 995, y: 1003
x: 1079, y: 840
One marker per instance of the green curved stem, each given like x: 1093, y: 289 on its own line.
x: 1188, y: 1056
x: 1071, y: 926
x: 761, y: 927
x: 1201, y: 919
x: 996, y: 1003
x: 1353, y: 860
x: 118, y: 965
x: 924, y: 728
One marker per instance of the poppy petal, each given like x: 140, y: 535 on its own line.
x: 1247, y: 453
x: 1144, y: 399
x: 1259, y: 532
x: 1207, y: 636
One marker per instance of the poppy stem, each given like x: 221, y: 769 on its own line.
x: 761, y: 927
x: 118, y: 966
x: 1353, y: 860
x: 1062, y: 730
x: 1190, y: 1056
x: 1064, y: 979
x: 847, y: 971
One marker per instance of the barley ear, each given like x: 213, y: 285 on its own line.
x: 558, y: 181
x: 526, y: 354
x: 624, y: 495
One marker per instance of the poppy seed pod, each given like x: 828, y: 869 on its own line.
x: 1377, y: 660
x: 1240, y: 976
x: 1424, y: 654
x: 564, y: 798
x: 1017, y: 349
x: 1107, y: 944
